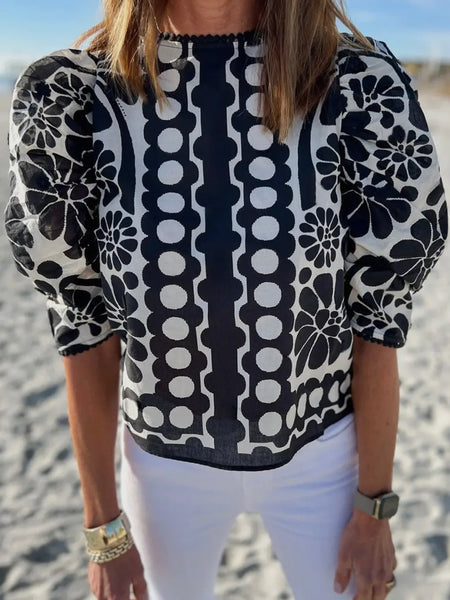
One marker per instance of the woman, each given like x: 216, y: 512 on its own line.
x: 248, y: 201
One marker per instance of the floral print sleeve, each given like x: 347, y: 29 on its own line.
x: 392, y: 194
x: 51, y: 214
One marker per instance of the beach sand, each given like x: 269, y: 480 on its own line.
x: 43, y: 555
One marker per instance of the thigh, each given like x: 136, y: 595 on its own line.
x: 181, y: 514
x: 309, y: 502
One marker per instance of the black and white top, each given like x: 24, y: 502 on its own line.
x: 235, y: 269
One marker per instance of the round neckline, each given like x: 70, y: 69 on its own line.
x: 247, y: 36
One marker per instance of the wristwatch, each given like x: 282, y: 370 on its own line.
x: 109, y: 535
x: 383, y: 506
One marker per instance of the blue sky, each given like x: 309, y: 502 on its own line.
x: 29, y: 28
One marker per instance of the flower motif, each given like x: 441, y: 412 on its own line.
x: 373, y: 209
x: 106, y: 172
x: 120, y: 306
x: 89, y: 308
x: 323, y: 333
x: 372, y: 309
x: 329, y: 162
x: 320, y: 236
x: 116, y: 238
x: 18, y: 233
x: 372, y: 94
x: 61, y: 206
x: 404, y: 154
x: 83, y: 308
x: 383, y: 309
x: 37, y: 116
x: 415, y: 257
x: 69, y: 87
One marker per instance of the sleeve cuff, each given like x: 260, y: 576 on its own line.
x: 79, y: 348
x: 75, y: 330
x: 389, y: 339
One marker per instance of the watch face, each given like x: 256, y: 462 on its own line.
x: 389, y: 505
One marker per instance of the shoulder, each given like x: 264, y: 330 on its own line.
x: 353, y: 61
x: 53, y: 99
x: 65, y: 70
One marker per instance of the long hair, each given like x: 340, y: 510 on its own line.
x: 301, y: 39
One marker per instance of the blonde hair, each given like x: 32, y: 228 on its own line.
x: 301, y: 37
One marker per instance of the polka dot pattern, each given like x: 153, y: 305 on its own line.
x: 268, y: 390
x: 181, y: 387
x: 269, y: 359
x: 267, y: 294
x: 175, y: 328
x: 153, y: 416
x: 270, y: 424
x: 171, y: 263
x: 170, y: 231
x: 260, y: 138
x: 169, y: 80
x: 170, y: 140
x: 171, y: 202
x: 252, y: 104
x: 262, y: 168
x: 178, y: 358
x: 265, y: 261
x: 181, y: 417
x: 265, y: 228
x: 269, y: 327
x: 209, y: 280
x: 130, y: 408
x: 173, y: 296
x: 170, y: 172
x: 263, y: 197
x: 168, y: 111
x: 169, y: 222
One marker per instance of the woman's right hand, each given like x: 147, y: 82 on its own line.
x: 115, y: 579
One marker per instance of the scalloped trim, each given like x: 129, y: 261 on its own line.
x: 366, y: 336
x: 250, y: 35
x: 71, y: 351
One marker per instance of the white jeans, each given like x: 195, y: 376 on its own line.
x: 181, y: 514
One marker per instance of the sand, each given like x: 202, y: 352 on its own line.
x: 43, y: 555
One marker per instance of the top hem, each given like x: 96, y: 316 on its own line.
x: 168, y: 451
x: 248, y: 36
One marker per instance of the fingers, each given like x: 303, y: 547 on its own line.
x: 380, y: 591
x: 140, y: 589
x: 342, y: 577
x: 368, y: 589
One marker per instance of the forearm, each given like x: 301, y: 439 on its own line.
x: 375, y: 392
x: 92, y: 383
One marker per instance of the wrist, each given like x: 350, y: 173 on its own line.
x: 365, y: 520
x: 94, y: 517
x: 369, y: 489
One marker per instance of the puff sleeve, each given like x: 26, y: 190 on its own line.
x: 393, y: 202
x: 52, y: 210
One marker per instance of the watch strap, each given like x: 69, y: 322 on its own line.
x: 365, y: 503
x: 382, y: 506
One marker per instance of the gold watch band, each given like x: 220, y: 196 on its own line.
x: 109, y: 535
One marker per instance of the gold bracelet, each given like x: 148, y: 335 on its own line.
x: 104, y: 556
x: 109, y: 535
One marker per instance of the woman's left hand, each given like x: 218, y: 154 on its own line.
x: 366, y: 548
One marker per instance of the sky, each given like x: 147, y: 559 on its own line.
x: 413, y: 29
